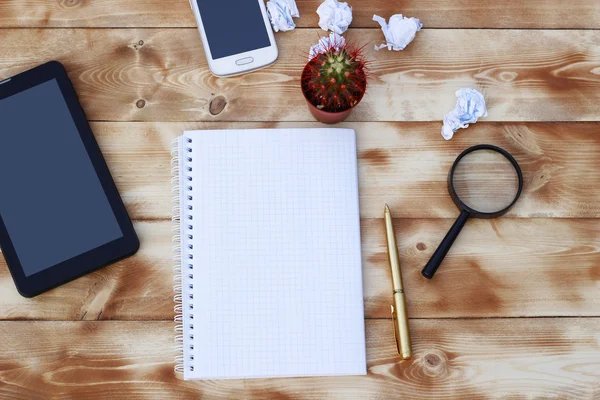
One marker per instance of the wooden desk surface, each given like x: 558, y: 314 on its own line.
x: 514, y: 313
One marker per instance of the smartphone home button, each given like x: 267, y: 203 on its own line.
x: 244, y: 61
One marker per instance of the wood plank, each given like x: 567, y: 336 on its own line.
x: 162, y: 75
x: 495, y: 268
x: 403, y: 164
x: 140, y: 287
x: 508, y: 267
x: 579, y: 14
x: 475, y: 359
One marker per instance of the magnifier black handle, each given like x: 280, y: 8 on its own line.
x: 439, y: 255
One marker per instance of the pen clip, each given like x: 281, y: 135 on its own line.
x: 396, y: 332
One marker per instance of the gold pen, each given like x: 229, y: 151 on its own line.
x: 399, y: 314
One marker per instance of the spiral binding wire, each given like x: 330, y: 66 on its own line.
x: 179, y: 276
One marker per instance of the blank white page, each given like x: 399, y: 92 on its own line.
x: 277, y: 283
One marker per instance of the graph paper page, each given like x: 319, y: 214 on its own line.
x: 277, y: 283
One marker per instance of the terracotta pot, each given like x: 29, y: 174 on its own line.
x: 326, y: 117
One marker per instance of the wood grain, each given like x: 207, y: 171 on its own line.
x: 540, y: 267
x: 110, y: 334
x: 474, y: 359
x: 403, y: 164
x: 140, y: 287
x: 583, y: 14
x: 162, y: 75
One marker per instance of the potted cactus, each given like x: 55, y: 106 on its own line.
x: 334, y: 82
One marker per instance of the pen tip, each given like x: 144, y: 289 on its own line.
x: 387, y: 209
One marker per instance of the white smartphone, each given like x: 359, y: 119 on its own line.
x: 236, y: 34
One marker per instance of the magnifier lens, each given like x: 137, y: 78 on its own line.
x: 485, y: 181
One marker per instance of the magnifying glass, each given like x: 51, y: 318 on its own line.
x: 485, y: 181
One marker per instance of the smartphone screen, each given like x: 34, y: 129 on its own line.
x: 233, y: 26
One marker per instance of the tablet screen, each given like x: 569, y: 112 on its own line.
x: 51, y: 199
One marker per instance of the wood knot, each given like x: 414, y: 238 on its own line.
x: 542, y: 177
x: 140, y: 103
x: 70, y: 3
x: 138, y: 45
x: 435, y: 364
x: 523, y: 138
x: 508, y: 76
x: 421, y: 246
x: 217, y: 105
x: 432, y: 360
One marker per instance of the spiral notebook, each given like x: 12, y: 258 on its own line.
x: 268, y: 254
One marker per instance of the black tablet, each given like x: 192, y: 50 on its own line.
x: 60, y: 213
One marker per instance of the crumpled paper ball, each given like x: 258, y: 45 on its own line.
x: 399, y: 32
x: 470, y: 106
x: 334, y: 40
x: 281, y: 13
x: 334, y: 16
